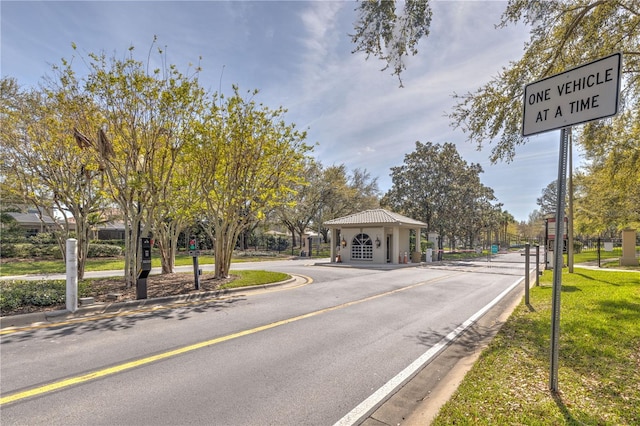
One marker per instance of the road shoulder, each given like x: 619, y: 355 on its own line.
x: 418, y: 402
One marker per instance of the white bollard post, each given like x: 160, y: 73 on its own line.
x: 72, y: 274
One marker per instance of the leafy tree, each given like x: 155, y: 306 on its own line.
x: 346, y: 193
x: 177, y: 207
x: 10, y: 232
x: 435, y: 185
x: 365, y: 189
x: 328, y: 193
x: 43, y: 162
x: 140, y: 121
x: 533, y: 228
x: 480, y: 211
x: 304, y: 203
x: 609, y: 186
x: 548, y: 200
x: 506, y: 219
x: 247, y: 160
x: 145, y: 120
x: 564, y: 34
x: 390, y: 34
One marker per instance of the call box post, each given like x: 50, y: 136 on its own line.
x: 145, y: 268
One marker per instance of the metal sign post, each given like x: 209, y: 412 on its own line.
x: 537, y: 265
x: 558, y: 259
x: 527, y: 251
x: 585, y: 93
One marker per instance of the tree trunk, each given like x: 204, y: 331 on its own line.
x: 167, y: 238
x: 82, y: 232
x: 223, y: 255
x: 131, y: 237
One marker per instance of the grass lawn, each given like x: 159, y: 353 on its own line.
x: 608, y: 259
x: 599, y: 359
x: 17, y: 295
x: 250, y: 278
x: 97, y: 264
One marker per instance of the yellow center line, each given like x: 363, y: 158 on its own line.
x: 150, y: 359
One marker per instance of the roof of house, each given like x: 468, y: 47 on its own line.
x: 375, y: 217
x: 30, y: 219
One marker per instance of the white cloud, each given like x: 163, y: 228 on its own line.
x: 299, y: 55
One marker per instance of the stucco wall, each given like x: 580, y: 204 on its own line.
x: 379, y: 253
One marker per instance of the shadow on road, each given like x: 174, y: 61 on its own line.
x: 121, y: 321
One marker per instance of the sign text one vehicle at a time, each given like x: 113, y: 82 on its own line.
x: 582, y: 94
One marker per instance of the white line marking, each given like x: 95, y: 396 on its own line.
x: 373, y: 402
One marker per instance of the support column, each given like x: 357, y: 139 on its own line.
x: 396, y: 245
x: 628, y: 248
x: 334, y: 240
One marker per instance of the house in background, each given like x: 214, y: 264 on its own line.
x: 109, y: 231
x: 375, y: 236
x: 32, y: 225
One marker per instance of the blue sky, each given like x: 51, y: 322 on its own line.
x: 298, y: 54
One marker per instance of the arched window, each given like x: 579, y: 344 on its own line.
x: 361, y: 247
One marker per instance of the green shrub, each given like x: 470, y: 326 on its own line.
x: 7, y: 250
x: 119, y: 243
x: 254, y: 254
x: 104, y: 250
x: 22, y: 250
x: 43, y: 238
x: 29, y: 250
x: 16, y: 294
x: 425, y: 244
x: 45, y: 251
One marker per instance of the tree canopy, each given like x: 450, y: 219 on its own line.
x: 390, y: 34
x: 155, y: 145
x: 564, y: 34
x: 247, y: 160
x: 435, y: 185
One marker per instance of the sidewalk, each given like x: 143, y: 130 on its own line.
x: 594, y: 266
x: 102, y: 274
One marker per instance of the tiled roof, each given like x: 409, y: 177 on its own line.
x: 375, y: 217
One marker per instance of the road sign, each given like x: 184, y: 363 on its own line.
x: 588, y: 92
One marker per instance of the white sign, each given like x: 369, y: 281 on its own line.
x: 551, y: 229
x: 582, y: 94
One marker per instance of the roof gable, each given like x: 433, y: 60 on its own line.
x: 375, y: 217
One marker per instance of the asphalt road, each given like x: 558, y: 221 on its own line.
x: 311, y: 355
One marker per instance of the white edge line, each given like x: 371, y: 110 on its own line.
x: 369, y: 405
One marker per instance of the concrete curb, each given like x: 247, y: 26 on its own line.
x: 37, y: 318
